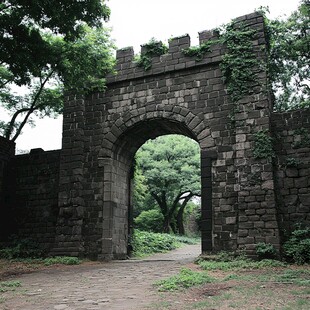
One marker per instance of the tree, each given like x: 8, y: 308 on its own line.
x: 23, y: 46
x: 47, y: 47
x: 171, y: 167
x: 140, y: 193
x: 289, y: 46
x: 149, y: 220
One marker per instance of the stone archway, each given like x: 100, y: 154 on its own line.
x: 178, y: 94
x: 122, y: 154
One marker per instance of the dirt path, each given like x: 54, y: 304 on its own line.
x: 116, y: 285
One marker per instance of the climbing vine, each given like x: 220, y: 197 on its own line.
x: 263, y: 147
x: 292, y: 162
x: 199, y: 51
x: 151, y: 49
x: 303, y: 138
x: 254, y: 178
x: 239, y: 64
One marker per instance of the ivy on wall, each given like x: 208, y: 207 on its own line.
x: 263, y: 147
x: 239, y: 64
x: 303, y: 138
x: 151, y: 49
x: 199, y: 51
x: 292, y: 162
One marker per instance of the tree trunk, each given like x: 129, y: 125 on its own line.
x: 180, y: 220
x: 166, y: 224
x: 167, y: 212
x: 180, y: 223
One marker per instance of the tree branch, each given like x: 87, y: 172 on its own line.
x: 7, y: 82
x: 32, y: 108
x: 12, y: 122
x: 176, y: 200
x: 5, y: 7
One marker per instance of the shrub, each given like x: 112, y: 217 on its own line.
x: 185, y: 279
x: 144, y: 243
x: 150, y: 220
x: 21, y: 248
x: 297, y: 248
x: 186, y: 240
x: 9, y: 286
x: 231, y: 261
x: 64, y: 260
x: 265, y: 250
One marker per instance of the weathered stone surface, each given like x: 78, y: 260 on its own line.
x: 77, y: 200
x: 292, y: 183
x: 305, y: 199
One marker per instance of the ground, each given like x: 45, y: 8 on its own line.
x: 129, y: 285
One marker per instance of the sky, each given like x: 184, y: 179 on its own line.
x: 135, y: 22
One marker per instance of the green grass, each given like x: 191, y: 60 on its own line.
x: 185, y: 279
x: 239, y: 264
x: 300, y: 304
x: 9, y: 286
x: 147, y: 243
x: 187, y: 240
x: 299, y: 277
x: 305, y: 291
x: 64, y: 260
x: 260, y: 281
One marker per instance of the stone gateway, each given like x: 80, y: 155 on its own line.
x: 77, y: 201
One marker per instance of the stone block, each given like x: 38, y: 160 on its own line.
x: 259, y: 224
x: 290, y: 200
x: 301, y: 182
x: 243, y: 233
x: 305, y: 199
x: 291, y: 172
x: 271, y: 224
x: 268, y: 185
x: 230, y: 220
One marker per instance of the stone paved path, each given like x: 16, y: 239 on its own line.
x: 119, y: 285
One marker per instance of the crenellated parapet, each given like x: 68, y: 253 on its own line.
x: 175, y: 59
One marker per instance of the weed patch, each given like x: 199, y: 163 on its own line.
x: 239, y: 264
x: 185, y: 279
x: 9, y: 286
x: 21, y: 248
x: 146, y: 243
x: 64, y: 260
x: 297, y: 277
x: 297, y: 248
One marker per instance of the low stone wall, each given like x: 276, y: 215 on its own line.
x: 33, y: 194
x: 7, y: 151
x: 291, y: 132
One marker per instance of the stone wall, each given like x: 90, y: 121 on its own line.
x: 77, y: 200
x: 179, y: 95
x: 34, y: 195
x: 7, y: 151
x: 291, y: 132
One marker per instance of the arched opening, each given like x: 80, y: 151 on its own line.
x: 166, y: 188
x: 117, y: 196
